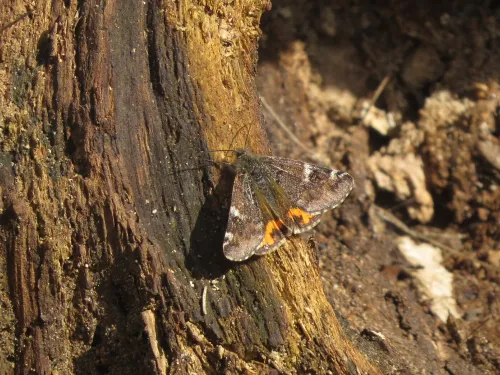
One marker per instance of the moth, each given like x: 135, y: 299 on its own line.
x: 275, y: 197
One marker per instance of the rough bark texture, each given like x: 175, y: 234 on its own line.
x: 110, y: 232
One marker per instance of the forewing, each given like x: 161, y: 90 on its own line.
x: 311, y: 188
x: 245, y: 227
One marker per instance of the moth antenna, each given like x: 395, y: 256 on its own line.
x: 187, y: 169
x: 248, y: 135
x: 18, y: 19
x: 221, y: 151
x: 236, y: 135
x: 209, y: 163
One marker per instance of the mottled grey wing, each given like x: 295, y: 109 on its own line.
x: 312, y: 188
x: 245, y: 227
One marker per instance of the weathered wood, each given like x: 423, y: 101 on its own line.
x: 110, y: 231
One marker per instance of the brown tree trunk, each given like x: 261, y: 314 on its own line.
x: 111, y: 259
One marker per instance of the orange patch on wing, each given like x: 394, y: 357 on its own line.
x: 271, y: 227
x: 304, y: 216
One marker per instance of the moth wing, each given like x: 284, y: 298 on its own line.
x: 311, y: 188
x: 293, y: 219
x: 245, y: 227
x: 274, y: 227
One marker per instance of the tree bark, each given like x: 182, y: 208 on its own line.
x: 111, y: 255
